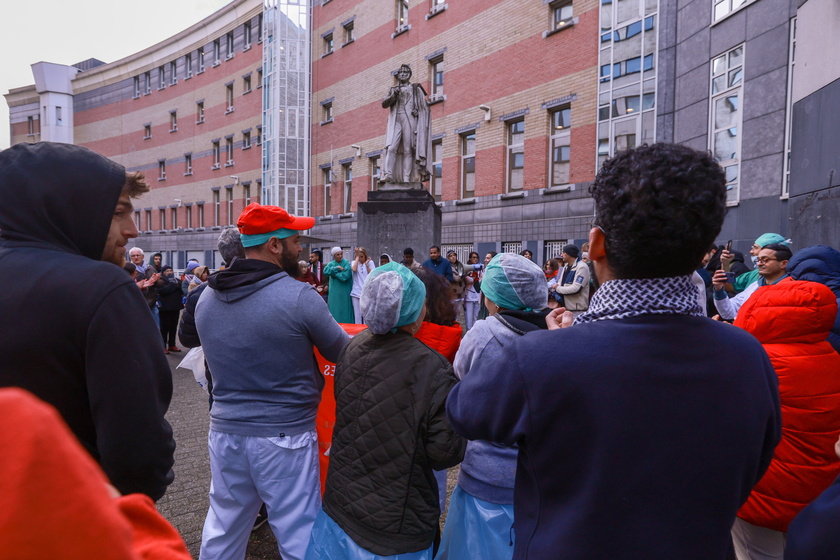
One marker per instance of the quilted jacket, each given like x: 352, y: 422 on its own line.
x: 390, y: 432
x: 792, y: 321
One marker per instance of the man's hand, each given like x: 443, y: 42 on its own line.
x: 559, y: 318
x: 719, y: 279
x: 726, y: 257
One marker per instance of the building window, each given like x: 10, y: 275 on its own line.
x: 174, y: 217
x: 375, y: 170
x: 516, y: 155
x: 347, y: 171
x: 229, y: 98
x: 136, y: 87
x: 200, y: 60
x: 189, y: 217
x: 436, y: 75
x: 349, y: 37
x: 259, y: 28
x: 200, y: 208
x: 30, y: 124
x: 137, y: 220
x: 402, y: 15
x: 259, y: 78
x: 147, y: 131
x: 161, y: 170
x: 148, y: 220
x: 217, y: 52
x: 259, y: 135
x: 187, y: 164
x: 512, y: 247
x: 229, y: 45
x: 246, y: 139
x: 246, y: 194
x: 328, y: 43
x: 199, y: 112
x: 162, y: 218
x: 552, y: 249
x: 561, y: 122
x: 229, y: 151
x: 148, y: 78
x: 436, y: 182
x: 173, y: 121
x: 468, y: 165
x: 561, y: 14
x: 58, y: 118
x: 327, y: 112
x: 726, y: 114
x: 327, y: 191
x: 216, y: 156
x: 173, y: 73
x: 217, y: 209
x: 725, y: 7
x: 246, y: 84
x: 229, y: 206
x: 188, y: 65
x: 161, y: 77
x: 246, y: 35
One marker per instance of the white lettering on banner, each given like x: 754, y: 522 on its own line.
x: 329, y: 370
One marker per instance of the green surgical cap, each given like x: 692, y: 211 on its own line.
x: 770, y: 238
x: 514, y: 282
x: 392, y: 296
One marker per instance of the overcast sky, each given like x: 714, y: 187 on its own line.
x: 67, y: 32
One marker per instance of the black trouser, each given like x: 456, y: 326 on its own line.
x: 169, y: 327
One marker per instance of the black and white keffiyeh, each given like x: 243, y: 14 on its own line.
x: 625, y: 298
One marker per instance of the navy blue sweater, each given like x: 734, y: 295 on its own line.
x: 638, y: 438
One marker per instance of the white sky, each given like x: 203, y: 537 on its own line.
x: 67, y: 32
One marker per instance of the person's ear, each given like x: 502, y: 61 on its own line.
x: 597, y: 244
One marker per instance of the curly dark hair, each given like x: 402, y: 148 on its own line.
x: 439, y: 308
x: 782, y: 251
x: 666, y: 199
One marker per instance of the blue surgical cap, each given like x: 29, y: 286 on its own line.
x: 392, y: 296
x: 513, y: 282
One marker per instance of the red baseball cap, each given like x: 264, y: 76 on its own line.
x: 257, y: 219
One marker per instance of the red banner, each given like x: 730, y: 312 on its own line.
x: 325, y: 421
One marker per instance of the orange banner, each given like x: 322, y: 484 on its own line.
x: 325, y: 421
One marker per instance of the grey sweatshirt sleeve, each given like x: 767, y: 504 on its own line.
x: 324, y: 332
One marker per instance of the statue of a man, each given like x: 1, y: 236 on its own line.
x: 408, y: 142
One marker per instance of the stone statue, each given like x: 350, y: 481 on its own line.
x: 408, y: 142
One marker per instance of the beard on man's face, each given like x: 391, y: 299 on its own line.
x: 289, y: 262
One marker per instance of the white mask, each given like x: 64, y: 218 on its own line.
x: 754, y: 259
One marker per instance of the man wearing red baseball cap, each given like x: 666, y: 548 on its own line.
x: 258, y: 326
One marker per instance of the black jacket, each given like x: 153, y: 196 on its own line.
x: 187, y: 332
x: 390, y: 432
x: 76, y: 331
x: 170, y: 295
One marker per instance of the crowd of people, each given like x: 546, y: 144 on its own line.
x: 599, y: 406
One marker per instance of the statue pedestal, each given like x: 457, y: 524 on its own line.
x: 396, y: 217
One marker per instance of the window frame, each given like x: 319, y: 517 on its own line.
x: 556, y: 136
x: 727, y: 92
x: 347, y: 177
x: 217, y: 208
x: 436, y: 178
x: 327, y: 176
x: 217, y: 154
x: 188, y: 169
x: 512, y: 150
x: 465, y: 156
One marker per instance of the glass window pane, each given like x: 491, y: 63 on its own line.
x: 725, y: 144
x: 633, y: 65
x: 517, y: 160
x: 718, y: 65
x: 649, y: 101
x: 735, y: 77
x: 718, y: 84
x: 469, y: 164
x: 736, y: 57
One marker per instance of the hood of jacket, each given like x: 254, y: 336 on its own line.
x: 243, y: 278
x: 59, y: 195
x: 790, y: 311
x: 818, y: 263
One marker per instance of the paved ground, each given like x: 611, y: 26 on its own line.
x: 186, y: 501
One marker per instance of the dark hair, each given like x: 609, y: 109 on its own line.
x: 319, y: 254
x: 523, y: 251
x: 554, y: 264
x: 474, y: 253
x: 492, y: 253
x: 783, y: 252
x: 408, y: 251
x: 666, y: 197
x: 434, y: 247
x: 439, y: 308
x: 130, y: 268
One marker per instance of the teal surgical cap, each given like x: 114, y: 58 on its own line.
x: 391, y: 297
x: 513, y: 282
x: 770, y: 238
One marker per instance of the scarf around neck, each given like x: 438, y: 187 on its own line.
x: 625, y: 298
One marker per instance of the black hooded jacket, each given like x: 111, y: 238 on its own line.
x: 76, y: 331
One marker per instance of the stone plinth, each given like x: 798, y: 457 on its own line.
x: 395, y: 218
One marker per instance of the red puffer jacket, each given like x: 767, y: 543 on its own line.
x: 444, y: 339
x: 792, y: 321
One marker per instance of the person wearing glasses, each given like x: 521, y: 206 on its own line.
x: 771, y: 264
